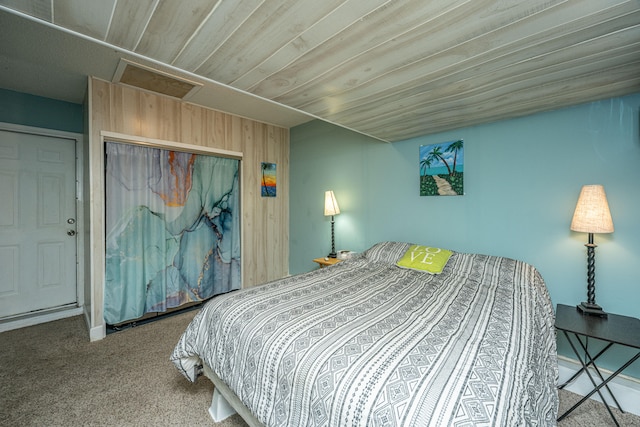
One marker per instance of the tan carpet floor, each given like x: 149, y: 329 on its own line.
x: 51, y: 375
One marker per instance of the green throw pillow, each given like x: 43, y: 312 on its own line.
x: 424, y: 258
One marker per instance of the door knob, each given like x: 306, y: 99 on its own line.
x: 71, y: 232
x: 71, y: 221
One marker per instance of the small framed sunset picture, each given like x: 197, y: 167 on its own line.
x: 268, y: 185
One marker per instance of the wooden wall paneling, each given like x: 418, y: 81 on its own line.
x: 265, y: 226
x: 169, y: 114
x: 277, y: 152
x: 159, y: 116
x: 234, y: 130
x: 251, y: 209
x: 213, y: 129
x: 218, y: 132
x: 280, y: 217
x: 268, y: 217
x: 123, y: 111
x: 193, y: 125
x: 282, y: 143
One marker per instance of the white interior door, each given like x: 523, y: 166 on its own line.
x: 37, y: 222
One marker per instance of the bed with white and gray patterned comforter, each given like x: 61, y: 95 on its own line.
x: 367, y: 343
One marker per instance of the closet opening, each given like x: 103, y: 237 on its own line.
x: 172, y: 229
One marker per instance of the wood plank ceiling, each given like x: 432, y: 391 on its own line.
x: 389, y: 69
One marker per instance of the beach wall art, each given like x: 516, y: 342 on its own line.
x: 442, y: 169
x: 268, y: 182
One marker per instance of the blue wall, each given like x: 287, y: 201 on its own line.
x: 29, y: 110
x: 522, y: 180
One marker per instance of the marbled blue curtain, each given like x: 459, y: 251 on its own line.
x: 172, y: 229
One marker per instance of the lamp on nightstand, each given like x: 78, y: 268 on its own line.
x: 331, y: 208
x: 591, y: 216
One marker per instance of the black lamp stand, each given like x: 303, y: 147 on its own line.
x: 333, y: 244
x: 590, y: 307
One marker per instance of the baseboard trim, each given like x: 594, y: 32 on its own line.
x: 39, y: 317
x: 625, y: 388
x: 97, y: 333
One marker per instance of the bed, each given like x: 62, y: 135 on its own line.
x: 369, y: 343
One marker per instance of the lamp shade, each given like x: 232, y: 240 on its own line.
x: 592, y: 211
x: 330, y: 204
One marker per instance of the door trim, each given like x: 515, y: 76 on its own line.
x: 47, y: 315
x: 41, y: 316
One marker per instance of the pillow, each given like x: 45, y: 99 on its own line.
x: 387, y: 252
x: 425, y: 258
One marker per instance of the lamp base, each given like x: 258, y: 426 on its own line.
x: 333, y: 255
x: 591, y: 309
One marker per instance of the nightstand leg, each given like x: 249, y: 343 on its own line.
x: 592, y: 361
x: 577, y: 374
x: 596, y: 387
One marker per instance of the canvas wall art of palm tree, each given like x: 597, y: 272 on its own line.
x: 442, y: 169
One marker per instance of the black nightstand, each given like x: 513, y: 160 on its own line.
x: 614, y: 329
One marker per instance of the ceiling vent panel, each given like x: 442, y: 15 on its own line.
x: 142, y: 77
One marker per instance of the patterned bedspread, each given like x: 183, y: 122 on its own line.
x: 367, y: 343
